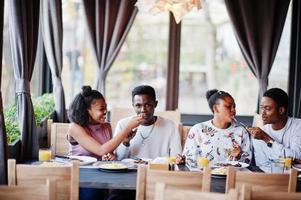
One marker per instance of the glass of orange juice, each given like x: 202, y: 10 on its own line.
x: 172, y: 159
x: 203, y: 162
x: 287, y: 162
x: 45, y: 154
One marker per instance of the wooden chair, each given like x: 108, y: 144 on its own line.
x: 169, y: 192
x: 184, y: 130
x: 29, y: 192
x: 49, y: 124
x: 59, y: 142
x: 146, y: 180
x: 262, y: 181
x: 158, y: 166
x: 257, y: 120
x: 247, y: 194
x: 66, y: 178
x: 118, y: 113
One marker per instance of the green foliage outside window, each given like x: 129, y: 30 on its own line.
x: 43, y: 108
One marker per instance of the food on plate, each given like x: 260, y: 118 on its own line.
x: 113, y: 166
x: 228, y: 164
x: 219, y: 171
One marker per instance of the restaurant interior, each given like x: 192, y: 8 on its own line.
x: 182, y: 48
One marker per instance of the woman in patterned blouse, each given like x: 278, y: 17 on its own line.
x: 218, y: 139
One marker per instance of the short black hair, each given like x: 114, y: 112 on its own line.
x: 144, y: 89
x: 78, y: 110
x: 213, y: 95
x: 279, y: 96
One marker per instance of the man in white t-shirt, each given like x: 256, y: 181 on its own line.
x: 281, y: 135
x: 156, y: 137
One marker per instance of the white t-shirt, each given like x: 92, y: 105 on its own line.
x: 156, y: 140
x: 288, y: 138
x: 206, y: 140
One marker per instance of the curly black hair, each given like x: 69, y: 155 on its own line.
x: 144, y: 89
x: 78, y: 110
x: 213, y: 95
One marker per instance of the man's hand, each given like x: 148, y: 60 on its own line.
x: 259, y: 134
x: 127, y: 140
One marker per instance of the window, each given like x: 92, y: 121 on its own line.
x: 79, y: 65
x: 279, y: 73
x: 7, y: 79
x: 141, y: 60
x: 211, y: 58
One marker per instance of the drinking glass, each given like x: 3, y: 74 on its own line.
x: 277, y: 166
x: 45, y: 154
x: 287, y: 162
x: 172, y: 159
x: 203, y: 162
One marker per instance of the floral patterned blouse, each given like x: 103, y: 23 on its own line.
x: 206, y: 140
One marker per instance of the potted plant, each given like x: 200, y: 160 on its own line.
x: 43, y: 110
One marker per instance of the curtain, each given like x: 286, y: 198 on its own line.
x: 258, y: 26
x: 172, y: 94
x: 52, y: 31
x: 3, y: 139
x: 294, y: 87
x: 23, y: 32
x: 109, y: 22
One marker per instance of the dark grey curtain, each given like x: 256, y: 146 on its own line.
x: 52, y: 31
x: 23, y: 32
x: 109, y: 22
x: 3, y: 139
x: 294, y: 87
x: 258, y: 25
x: 172, y: 94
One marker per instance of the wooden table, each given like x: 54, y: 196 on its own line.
x: 94, y: 178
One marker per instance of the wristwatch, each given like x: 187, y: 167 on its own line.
x: 127, y: 144
x: 270, y: 143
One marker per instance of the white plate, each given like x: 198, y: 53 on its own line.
x: 84, y: 160
x: 113, y: 166
x: 136, y: 161
x: 297, y: 167
x: 230, y: 163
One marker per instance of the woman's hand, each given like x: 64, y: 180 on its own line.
x: 236, y: 152
x: 135, y: 122
x: 180, y: 159
x: 108, y: 157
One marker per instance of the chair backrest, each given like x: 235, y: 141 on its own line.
x: 257, y: 120
x: 59, y: 142
x: 248, y: 194
x: 165, y: 191
x: 146, y: 180
x: 66, y: 178
x: 262, y: 181
x: 49, y: 124
x: 29, y: 192
x: 184, y: 130
x: 118, y: 113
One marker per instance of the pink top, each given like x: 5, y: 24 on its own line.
x: 100, y: 132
